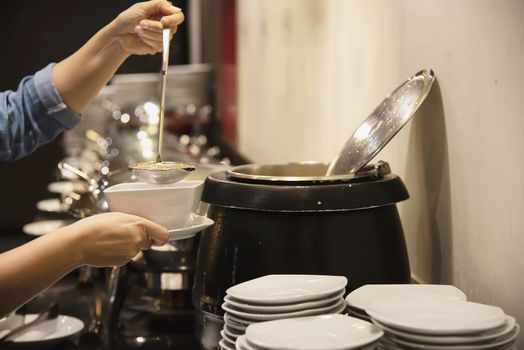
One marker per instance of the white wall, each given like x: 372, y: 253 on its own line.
x: 310, y: 71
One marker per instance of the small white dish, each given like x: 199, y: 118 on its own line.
x: 358, y: 314
x: 331, y: 308
x: 231, y: 333
x: 245, y: 322
x: 503, y: 330
x: 242, y: 344
x: 229, y: 340
x: 233, y: 324
x: 197, y: 223
x: 224, y: 345
x: 270, y: 309
x: 64, y: 187
x: 52, y: 205
x: 494, y: 344
x: 366, y: 295
x: 424, y: 314
x: 286, y: 289
x: 40, y: 228
x: 326, y: 332
x: 48, y: 332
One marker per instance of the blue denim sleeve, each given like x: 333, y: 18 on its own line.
x: 32, y: 115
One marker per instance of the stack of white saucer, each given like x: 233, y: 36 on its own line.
x: 275, y: 297
x: 361, y: 298
x: 327, y: 332
x: 417, y: 321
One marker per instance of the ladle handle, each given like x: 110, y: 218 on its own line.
x: 166, y: 37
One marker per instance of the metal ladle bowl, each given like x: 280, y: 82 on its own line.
x: 161, y: 173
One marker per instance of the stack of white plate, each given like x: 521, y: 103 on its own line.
x: 328, y: 332
x: 416, y: 321
x: 276, y: 297
x: 361, y: 298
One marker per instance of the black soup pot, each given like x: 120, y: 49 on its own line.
x: 291, y: 219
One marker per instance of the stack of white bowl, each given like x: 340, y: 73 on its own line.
x: 275, y: 297
x: 418, y: 321
x: 327, y: 332
x: 361, y: 298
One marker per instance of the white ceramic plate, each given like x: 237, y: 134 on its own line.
x: 197, y: 224
x: 225, y: 345
x: 286, y: 289
x: 231, y: 333
x: 246, y: 322
x: 506, y: 328
x: 495, y: 344
x: 271, y: 309
x: 48, y: 332
x: 235, y: 325
x: 229, y: 340
x: 39, y: 228
x: 64, y: 187
x: 366, y: 295
x: 335, y: 306
x: 242, y: 344
x: 52, y: 205
x: 327, y: 332
x: 424, y: 314
x: 358, y: 314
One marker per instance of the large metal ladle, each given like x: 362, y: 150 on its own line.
x: 160, y: 172
x: 382, y: 124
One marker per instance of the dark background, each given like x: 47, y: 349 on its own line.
x: 34, y: 34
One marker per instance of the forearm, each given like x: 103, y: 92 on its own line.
x: 80, y: 77
x: 29, y: 269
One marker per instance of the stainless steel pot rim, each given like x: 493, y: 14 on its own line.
x: 314, y: 172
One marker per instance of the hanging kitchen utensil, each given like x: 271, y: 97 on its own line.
x: 382, y: 124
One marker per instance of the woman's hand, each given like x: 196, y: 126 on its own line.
x: 112, y: 239
x: 139, y: 28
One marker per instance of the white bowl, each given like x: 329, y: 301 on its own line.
x: 168, y: 205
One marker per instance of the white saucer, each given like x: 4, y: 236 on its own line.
x: 424, y: 314
x: 243, y: 345
x: 508, y: 339
x: 40, y: 228
x: 197, y: 224
x: 327, y: 332
x: 51, y: 205
x: 48, y: 332
x: 368, y: 294
x: 286, y: 289
x: 336, y: 307
x: 503, y: 330
x: 241, y: 321
x: 271, y: 309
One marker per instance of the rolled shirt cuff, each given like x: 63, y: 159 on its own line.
x: 51, y: 100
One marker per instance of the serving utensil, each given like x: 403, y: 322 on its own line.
x: 160, y: 172
x: 382, y: 124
